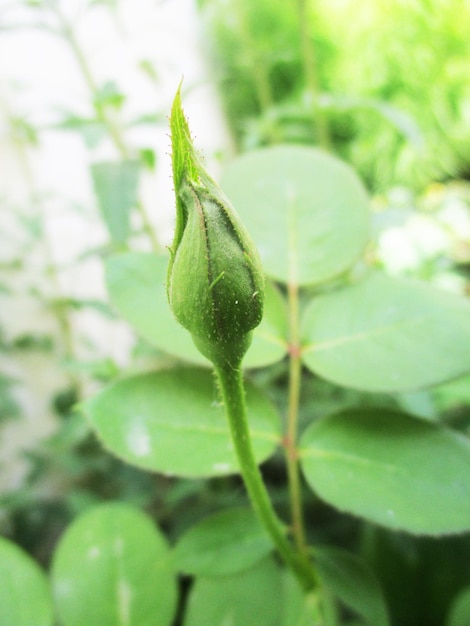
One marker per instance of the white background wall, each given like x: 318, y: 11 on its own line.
x: 38, y: 77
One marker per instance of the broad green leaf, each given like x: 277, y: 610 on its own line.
x: 352, y: 581
x: 253, y: 596
x: 306, y: 211
x: 263, y: 595
x: 298, y: 608
x: 452, y: 394
x: 460, y: 611
x: 387, y: 334
x: 115, y: 186
x: 222, y: 544
x: 393, y: 469
x: 25, y: 598
x: 136, y: 286
x: 112, y: 567
x: 172, y: 422
x: 270, y: 342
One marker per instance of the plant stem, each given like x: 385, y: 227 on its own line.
x: 231, y: 385
x: 113, y: 128
x: 311, y: 77
x: 295, y: 370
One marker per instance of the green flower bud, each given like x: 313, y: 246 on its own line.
x: 215, y: 281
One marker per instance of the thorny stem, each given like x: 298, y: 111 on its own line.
x: 113, y: 128
x: 231, y: 386
x: 311, y: 77
x: 295, y: 369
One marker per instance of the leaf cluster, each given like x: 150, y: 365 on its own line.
x: 359, y: 329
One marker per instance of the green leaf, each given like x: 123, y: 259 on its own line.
x: 224, y: 543
x: 298, y: 608
x: 109, y: 94
x: 148, y: 158
x: 147, y: 66
x: 9, y: 407
x: 387, y: 334
x: 354, y: 583
x: 460, y: 611
x: 452, y: 394
x: 112, y: 568
x: 136, y: 286
x: 306, y: 211
x: 398, y: 471
x: 25, y: 598
x: 400, y: 119
x: 92, y: 130
x: 115, y: 186
x: 253, y: 596
x: 265, y: 594
x: 270, y: 341
x: 171, y: 422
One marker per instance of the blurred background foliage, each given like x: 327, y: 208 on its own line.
x: 383, y: 84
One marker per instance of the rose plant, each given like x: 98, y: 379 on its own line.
x: 296, y: 292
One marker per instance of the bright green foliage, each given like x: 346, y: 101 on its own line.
x: 399, y: 118
x: 25, y: 598
x: 172, y: 422
x: 223, y: 544
x: 8, y: 404
x: 116, y: 190
x: 354, y: 583
x: 215, y: 280
x: 398, y: 471
x: 112, y: 568
x: 253, y: 596
x: 298, y: 607
x: 263, y: 594
x: 136, y: 287
x: 387, y: 334
x: 460, y: 611
x: 311, y: 221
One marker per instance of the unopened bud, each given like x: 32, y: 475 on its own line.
x: 215, y: 280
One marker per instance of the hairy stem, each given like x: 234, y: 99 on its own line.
x: 231, y: 385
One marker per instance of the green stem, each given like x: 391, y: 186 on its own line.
x: 295, y: 370
x: 114, y: 130
x: 231, y: 385
x: 311, y: 77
